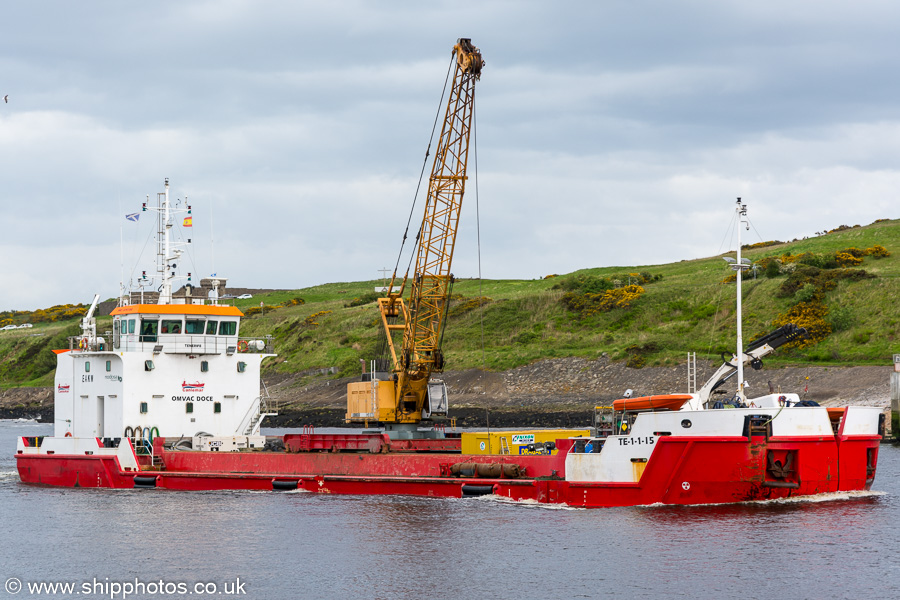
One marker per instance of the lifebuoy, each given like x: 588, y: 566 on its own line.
x: 83, y: 343
x: 68, y: 434
x: 242, y: 346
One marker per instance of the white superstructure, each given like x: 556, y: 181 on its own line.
x: 174, y: 368
x: 181, y: 369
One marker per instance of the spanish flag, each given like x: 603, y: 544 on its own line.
x: 188, y: 222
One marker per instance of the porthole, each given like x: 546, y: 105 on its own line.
x: 686, y: 423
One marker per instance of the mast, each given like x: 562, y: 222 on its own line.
x: 739, y: 271
x: 167, y: 251
x: 165, y: 291
x: 121, y: 301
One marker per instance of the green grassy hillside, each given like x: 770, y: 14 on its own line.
x: 685, y: 306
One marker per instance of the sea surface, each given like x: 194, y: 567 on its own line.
x: 264, y: 545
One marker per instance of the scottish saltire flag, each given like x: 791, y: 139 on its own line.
x: 133, y: 216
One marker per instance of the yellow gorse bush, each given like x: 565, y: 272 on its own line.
x: 845, y: 259
x: 60, y: 312
x: 810, y: 315
x: 255, y: 310
x: 621, y: 297
x: 467, y: 304
x: 311, y: 320
x: 590, y: 304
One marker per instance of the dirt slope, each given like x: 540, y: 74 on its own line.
x: 575, y: 384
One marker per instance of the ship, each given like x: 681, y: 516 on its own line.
x: 172, y: 399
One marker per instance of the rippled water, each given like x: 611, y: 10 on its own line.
x: 301, y: 545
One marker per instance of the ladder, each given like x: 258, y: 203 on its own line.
x: 692, y: 372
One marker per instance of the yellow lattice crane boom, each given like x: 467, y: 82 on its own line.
x: 405, y: 395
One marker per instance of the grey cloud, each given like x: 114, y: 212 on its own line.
x: 601, y: 125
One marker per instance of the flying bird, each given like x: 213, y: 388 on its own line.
x: 6, y: 99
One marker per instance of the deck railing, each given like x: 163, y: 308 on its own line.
x: 177, y: 344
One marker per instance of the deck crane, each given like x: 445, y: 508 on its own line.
x: 404, y: 397
x: 752, y: 356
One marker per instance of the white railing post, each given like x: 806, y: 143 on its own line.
x: 895, y: 398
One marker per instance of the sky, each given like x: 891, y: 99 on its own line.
x: 608, y: 133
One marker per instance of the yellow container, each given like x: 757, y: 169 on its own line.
x: 515, y: 442
x: 370, y: 401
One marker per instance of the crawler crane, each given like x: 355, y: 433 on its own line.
x: 402, y: 398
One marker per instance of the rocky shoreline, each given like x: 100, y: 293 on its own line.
x: 466, y: 418
x: 44, y: 415
x: 27, y: 403
x: 334, y: 417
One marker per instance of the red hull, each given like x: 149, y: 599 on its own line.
x: 681, y: 470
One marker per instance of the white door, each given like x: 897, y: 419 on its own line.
x: 100, y: 416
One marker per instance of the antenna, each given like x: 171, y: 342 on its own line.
x: 212, y: 239
x: 121, y: 256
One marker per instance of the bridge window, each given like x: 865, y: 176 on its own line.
x: 170, y: 326
x: 194, y: 326
x: 211, y: 327
x: 148, y: 330
x: 189, y: 407
x: 228, y: 328
x: 131, y: 325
